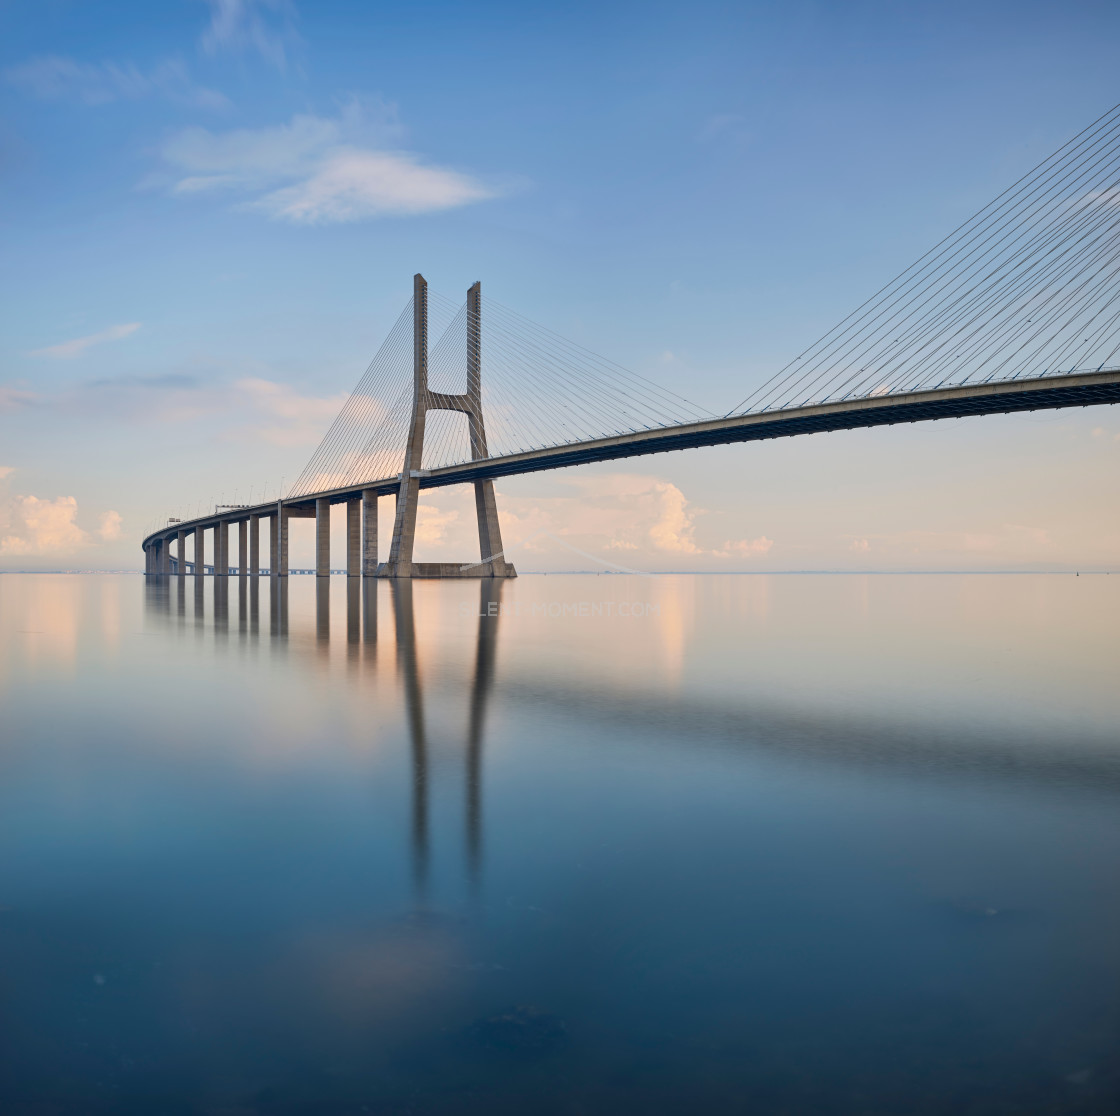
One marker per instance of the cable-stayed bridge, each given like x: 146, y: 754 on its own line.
x: 1018, y: 309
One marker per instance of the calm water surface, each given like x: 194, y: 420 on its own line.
x: 565, y: 845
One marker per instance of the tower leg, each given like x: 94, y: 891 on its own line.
x: 404, y: 529
x: 489, y: 532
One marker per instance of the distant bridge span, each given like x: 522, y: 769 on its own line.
x: 1040, y: 393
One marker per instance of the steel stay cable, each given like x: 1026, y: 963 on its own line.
x: 986, y: 214
x: 951, y: 281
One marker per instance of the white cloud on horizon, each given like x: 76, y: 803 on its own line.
x: 68, y: 349
x: 54, y: 78
x: 630, y: 512
x: 319, y: 170
x: 30, y: 525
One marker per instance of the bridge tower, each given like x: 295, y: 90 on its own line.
x: 400, y: 563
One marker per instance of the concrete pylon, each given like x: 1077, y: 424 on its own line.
x: 490, y: 546
x: 400, y: 563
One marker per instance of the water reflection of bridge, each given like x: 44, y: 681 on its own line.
x: 237, y: 608
x: 802, y: 735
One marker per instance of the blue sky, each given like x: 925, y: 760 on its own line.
x: 211, y: 213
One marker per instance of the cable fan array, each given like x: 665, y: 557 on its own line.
x: 538, y: 390
x: 1029, y: 286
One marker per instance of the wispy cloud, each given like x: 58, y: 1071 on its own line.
x: 724, y: 127
x: 264, y: 26
x: 76, y: 347
x: 53, y: 78
x: 318, y: 170
x: 252, y: 408
x: 281, y: 415
x: 14, y: 399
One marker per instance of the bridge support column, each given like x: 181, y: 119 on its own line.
x: 181, y: 552
x: 242, y: 547
x: 221, y: 548
x: 200, y: 551
x: 164, y: 559
x: 353, y: 538
x: 254, y: 545
x: 322, y: 537
x: 280, y: 554
x: 369, y: 532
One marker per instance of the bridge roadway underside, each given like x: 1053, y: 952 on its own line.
x: 1043, y: 393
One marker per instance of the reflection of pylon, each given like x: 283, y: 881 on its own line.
x: 400, y: 563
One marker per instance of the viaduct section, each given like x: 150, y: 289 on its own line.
x: 167, y: 552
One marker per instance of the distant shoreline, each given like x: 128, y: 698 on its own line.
x: 674, y: 573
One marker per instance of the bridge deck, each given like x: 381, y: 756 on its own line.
x: 1043, y: 393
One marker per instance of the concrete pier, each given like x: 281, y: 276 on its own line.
x: 200, y: 550
x: 353, y: 538
x: 280, y: 561
x: 254, y: 545
x: 323, y: 538
x: 221, y: 548
x: 242, y: 547
x: 369, y: 532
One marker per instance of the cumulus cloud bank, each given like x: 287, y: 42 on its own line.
x: 629, y: 517
x: 31, y: 525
